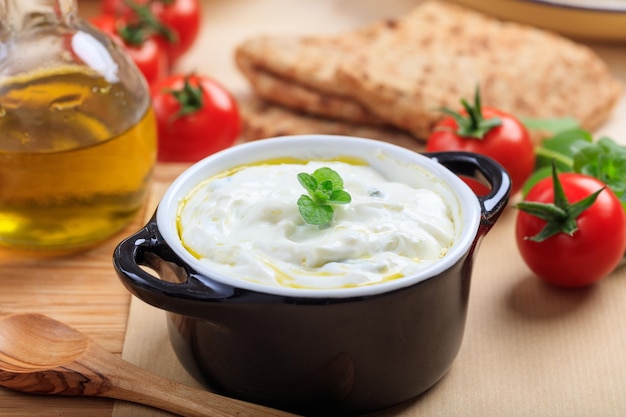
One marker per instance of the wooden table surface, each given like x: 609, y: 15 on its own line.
x: 82, y: 289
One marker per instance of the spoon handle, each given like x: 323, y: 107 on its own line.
x: 125, y: 381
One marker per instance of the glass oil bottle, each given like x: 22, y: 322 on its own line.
x: 77, y: 132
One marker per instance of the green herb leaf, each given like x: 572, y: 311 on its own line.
x: 606, y: 161
x: 307, y: 181
x: 324, y: 190
x: 340, y: 197
x: 561, y: 150
x: 575, y: 151
x: 325, y: 187
x: 327, y: 174
x: 315, y: 214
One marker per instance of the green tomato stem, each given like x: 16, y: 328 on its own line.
x: 553, y: 155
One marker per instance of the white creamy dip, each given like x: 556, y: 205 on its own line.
x: 245, y: 223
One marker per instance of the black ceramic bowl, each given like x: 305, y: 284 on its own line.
x: 317, y: 351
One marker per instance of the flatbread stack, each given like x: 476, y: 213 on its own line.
x: 262, y: 119
x: 394, y: 76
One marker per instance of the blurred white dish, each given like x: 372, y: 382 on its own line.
x: 593, y: 20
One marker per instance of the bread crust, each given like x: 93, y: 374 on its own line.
x: 262, y: 120
x: 402, y: 72
x: 440, y: 52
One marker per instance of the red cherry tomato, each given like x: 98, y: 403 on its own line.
x: 592, y: 252
x: 509, y: 143
x: 196, y: 117
x: 182, y: 17
x: 149, y: 56
x: 113, y: 7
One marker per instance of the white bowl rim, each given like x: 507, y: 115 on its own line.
x: 613, y: 6
x: 185, y: 182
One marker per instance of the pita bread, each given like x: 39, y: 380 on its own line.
x: 440, y: 52
x: 299, y: 72
x: 401, y: 72
x: 307, y: 60
x: 300, y: 97
x: 264, y: 120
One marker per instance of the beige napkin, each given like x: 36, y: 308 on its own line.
x: 529, y: 349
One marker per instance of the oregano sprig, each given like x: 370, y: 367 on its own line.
x: 325, y: 188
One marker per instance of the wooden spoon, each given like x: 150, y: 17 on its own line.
x: 43, y: 356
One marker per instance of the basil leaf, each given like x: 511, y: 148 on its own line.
x: 606, y: 161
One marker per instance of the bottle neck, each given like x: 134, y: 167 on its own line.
x: 17, y: 15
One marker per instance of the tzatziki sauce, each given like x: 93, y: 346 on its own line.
x: 245, y: 223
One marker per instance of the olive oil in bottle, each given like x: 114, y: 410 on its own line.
x: 77, y: 132
x: 68, y: 178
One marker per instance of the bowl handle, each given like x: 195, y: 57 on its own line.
x: 178, y: 281
x: 486, y: 171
